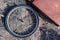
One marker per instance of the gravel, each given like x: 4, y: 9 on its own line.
x: 43, y: 22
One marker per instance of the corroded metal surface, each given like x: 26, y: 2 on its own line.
x: 51, y: 8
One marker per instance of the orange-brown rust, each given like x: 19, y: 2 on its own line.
x: 50, y: 7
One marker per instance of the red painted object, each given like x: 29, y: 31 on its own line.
x: 51, y: 8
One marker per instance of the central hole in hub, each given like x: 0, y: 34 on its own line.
x: 20, y: 19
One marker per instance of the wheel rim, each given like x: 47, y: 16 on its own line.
x: 7, y: 21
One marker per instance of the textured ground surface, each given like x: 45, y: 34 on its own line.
x: 41, y: 33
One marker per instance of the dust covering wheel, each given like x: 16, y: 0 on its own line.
x: 22, y: 21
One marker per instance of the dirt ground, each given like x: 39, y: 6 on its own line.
x: 47, y: 30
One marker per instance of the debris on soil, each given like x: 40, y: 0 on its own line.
x: 43, y: 22
x: 2, y: 5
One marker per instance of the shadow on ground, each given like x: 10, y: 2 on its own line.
x: 49, y: 34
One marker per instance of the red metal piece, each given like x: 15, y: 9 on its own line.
x: 50, y: 7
